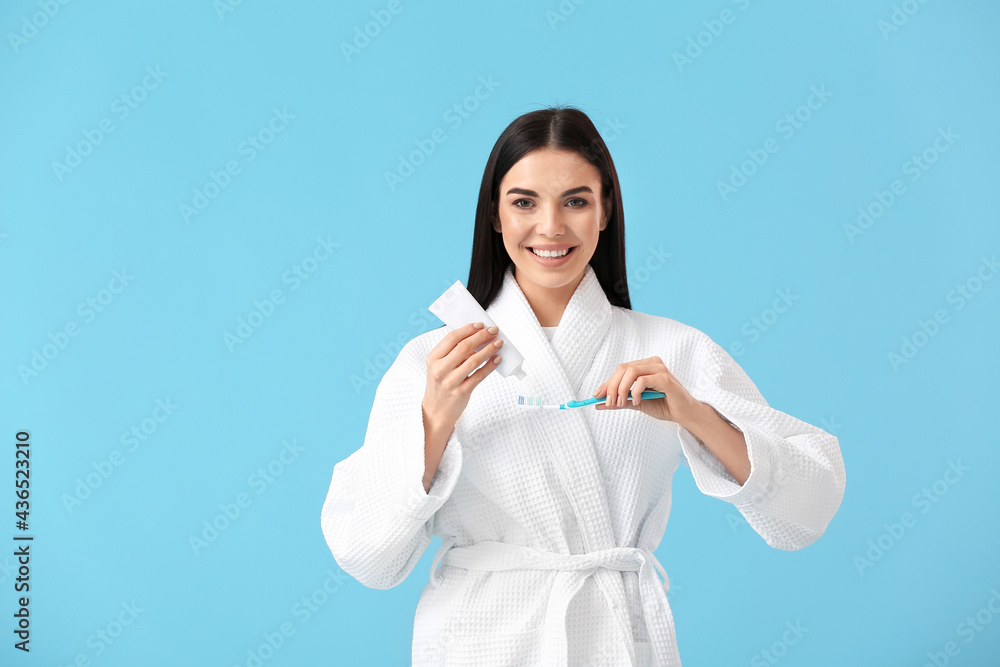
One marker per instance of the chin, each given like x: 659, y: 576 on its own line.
x: 550, y: 277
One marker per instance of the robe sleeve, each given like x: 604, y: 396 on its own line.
x: 797, y: 476
x: 377, y: 519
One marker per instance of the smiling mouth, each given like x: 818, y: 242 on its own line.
x: 549, y: 254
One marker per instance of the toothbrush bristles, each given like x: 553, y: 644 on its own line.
x: 530, y: 401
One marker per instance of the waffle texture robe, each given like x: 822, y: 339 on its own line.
x: 550, y: 518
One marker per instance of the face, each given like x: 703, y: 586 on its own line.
x: 551, y: 200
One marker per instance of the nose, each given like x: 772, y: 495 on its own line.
x: 550, y: 222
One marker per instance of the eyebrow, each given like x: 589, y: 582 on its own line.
x: 532, y: 193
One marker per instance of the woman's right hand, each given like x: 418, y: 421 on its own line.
x: 449, y: 384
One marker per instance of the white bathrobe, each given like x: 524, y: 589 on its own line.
x: 550, y: 518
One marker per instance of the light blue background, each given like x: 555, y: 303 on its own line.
x: 674, y: 132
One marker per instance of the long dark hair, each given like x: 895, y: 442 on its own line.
x: 559, y: 128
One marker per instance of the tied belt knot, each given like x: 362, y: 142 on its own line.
x: 573, y: 572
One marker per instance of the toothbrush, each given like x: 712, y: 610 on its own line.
x: 534, y: 402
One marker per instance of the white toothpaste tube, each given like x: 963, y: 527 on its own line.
x: 457, y: 308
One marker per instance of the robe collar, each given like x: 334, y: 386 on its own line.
x: 554, y: 373
x: 555, y: 368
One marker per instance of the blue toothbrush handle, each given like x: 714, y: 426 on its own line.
x: 591, y: 401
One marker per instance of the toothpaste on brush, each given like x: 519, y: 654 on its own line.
x: 457, y: 307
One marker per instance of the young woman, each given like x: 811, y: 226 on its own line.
x: 550, y: 518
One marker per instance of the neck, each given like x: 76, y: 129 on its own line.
x: 548, y: 303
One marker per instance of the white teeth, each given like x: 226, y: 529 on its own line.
x: 550, y: 253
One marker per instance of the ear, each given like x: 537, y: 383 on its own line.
x: 605, y: 215
x: 495, y: 216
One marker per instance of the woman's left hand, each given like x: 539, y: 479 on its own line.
x: 648, y: 374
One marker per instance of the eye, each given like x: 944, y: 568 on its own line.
x: 583, y: 202
x: 518, y: 201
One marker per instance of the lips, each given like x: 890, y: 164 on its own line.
x: 553, y: 262
x: 531, y: 249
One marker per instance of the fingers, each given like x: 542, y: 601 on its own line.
x: 464, y: 349
x: 447, y: 344
x: 474, y: 360
x: 630, y: 378
x: 627, y: 406
x: 481, y: 374
x: 637, y: 389
x: 619, y: 385
x: 624, y: 380
x: 611, y: 386
x: 455, y: 357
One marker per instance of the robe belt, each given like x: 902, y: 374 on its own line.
x: 575, y: 569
